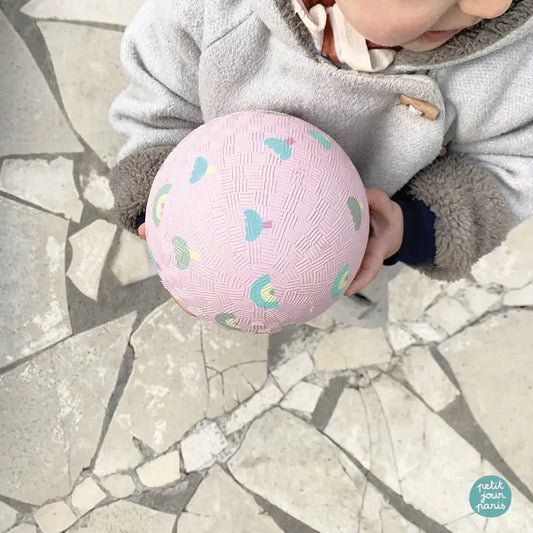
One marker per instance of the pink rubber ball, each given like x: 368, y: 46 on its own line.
x: 257, y: 220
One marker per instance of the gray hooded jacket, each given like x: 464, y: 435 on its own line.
x: 190, y: 61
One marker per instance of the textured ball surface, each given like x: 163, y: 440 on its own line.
x: 257, y: 220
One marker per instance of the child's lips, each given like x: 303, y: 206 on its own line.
x: 439, y: 36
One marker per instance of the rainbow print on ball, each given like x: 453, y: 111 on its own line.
x: 200, y: 169
x: 341, y: 282
x: 282, y: 147
x: 159, y: 203
x: 227, y: 320
x: 262, y: 293
x: 254, y: 225
x: 182, y: 253
x: 320, y: 138
x: 356, y: 209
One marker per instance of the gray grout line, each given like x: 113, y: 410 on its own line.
x: 124, y: 373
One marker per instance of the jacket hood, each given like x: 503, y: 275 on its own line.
x: 487, y: 36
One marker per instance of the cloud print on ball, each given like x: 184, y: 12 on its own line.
x: 259, y: 220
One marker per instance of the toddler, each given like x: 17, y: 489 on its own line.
x: 431, y: 99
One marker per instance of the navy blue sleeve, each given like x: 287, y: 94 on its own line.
x: 418, y: 246
x: 140, y: 219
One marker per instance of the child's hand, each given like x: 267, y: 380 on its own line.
x: 141, y: 230
x: 386, y: 236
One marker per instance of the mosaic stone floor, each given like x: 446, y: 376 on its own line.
x: 118, y: 413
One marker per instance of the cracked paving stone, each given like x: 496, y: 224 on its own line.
x: 221, y: 505
x: 377, y: 515
x: 294, y: 467
x: 132, y: 262
x: 292, y: 371
x: 241, y: 358
x: 410, y: 293
x: 88, y: 71
x: 255, y: 406
x: 23, y: 528
x: 489, y: 360
x: 55, y: 517
x: 427, y: 378
x: 426, y: 453
x: 31, y: 119
x: 425, y: 332
x: 450, y: 315
x: 519, y: 297
x: 117, y: 12
x: 86, y: 496
x: 511, y: 264
x: 479, y: 301
x: 8, y: 516
x: 119, y: 485
x: 48, y: 184
x: 34, y: 266
x: 89, y: 251
x: 199, y: 450
x: 96, y: 190
x: 352, y: 348
x: 303, y: 397
x: 345, y: 312
x: 160, y: 471
x: 52, y: 408
x: 399, y: 338
x: 166, y: 393
x: 125, y: 516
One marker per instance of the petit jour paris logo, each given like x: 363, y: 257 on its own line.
x: 490, y: 496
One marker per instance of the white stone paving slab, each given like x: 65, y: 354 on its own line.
x: 378, y: 516
x: 219, y: 504
x: 410, y: 293
x: 425, y: 332
x: 303, y: 397
x: 256, y: 405
x: 89, y: 251
x: 345, y: 312
x: 119, y: 485
x: 450, y: 315
x: 8, y: 517
x: 48, y: 184
x: 294, y: 370
x: 427, y: 378
x: 31, y: 119
x: 493, y: 364
x: 132, y: 262
x: 359, y: 426
x: 34, y: 244
x: 352, y: 348
x: 399, y: 338
x: 235, y: 387
x: 55, y: 517
x: 115, y: 12
x: 52, y: 408
x: 86, y: 496
x: 125, y: 516
x: 89, y: 77
x: 293, y: 466
x: 519, y: 297
x: 199, y: 449
x: 478, y: 301
x: 511, y: 264
x: 160, y: 471
x: 166, y: 393
x: 96, y: 190
x: 216, y: 397
x: 24, y: 528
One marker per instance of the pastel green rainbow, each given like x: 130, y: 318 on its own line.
x: 280, y: 147
x: 320, y: 138
x: 262, y: 293
x: 356, y: 209
x: 182, y: 253
x: 227, y: 320
x: 341, y: 282
x: 159, y: 203
x: 253, y: 225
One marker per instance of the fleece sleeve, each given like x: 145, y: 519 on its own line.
x: 160, y: 106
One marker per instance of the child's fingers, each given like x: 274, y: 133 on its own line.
x: 368, y: 271
x: 141, y: 230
